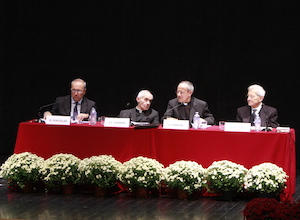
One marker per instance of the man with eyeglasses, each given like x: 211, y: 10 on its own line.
x: 268, y: 114
x: 75, y: 105
x: 185, y: 105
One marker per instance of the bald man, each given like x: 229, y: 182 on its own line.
x: 142, y: 112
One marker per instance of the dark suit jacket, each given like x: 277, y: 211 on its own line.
x: 266, y: 113
x: 63, y: 106
x: 151, y: 115
x: 197, y: 105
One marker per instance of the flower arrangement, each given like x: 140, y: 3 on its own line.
x: 265, y: 178
x: 21, y: 168
x: 60, y: 169
x: 225, y: 176
x: 100, y: 170
x: 185, y: 175
x: 141, y: 172
x: 262, y: 208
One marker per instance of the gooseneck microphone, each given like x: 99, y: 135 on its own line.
x: 267, y: 121
x: 125, y: 114
x: 176, y: 106
x: 127, y: 105
x: 47, y: 105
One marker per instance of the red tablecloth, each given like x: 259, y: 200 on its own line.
x: 167, y: 146
x: 84, y: 141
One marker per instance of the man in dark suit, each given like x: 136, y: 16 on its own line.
x: 75, y: 105
x: 255, y: 96
x: 185, y: 105
x: 142, y: 112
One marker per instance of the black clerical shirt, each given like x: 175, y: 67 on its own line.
x: 187, y: 109
x: 142, y: 116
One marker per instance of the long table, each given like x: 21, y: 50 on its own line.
x: 167, y: 146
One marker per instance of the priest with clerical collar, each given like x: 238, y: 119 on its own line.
x: 185, y: 105
x: 142, y: 112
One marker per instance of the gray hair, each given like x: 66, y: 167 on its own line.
x: 259, y: 90
x: 188, y: 84
x: 142, y: 93
x: 79, y: 80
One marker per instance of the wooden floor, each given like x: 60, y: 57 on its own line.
x: 39, y: 205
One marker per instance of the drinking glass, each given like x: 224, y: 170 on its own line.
x: 222, y: 125
x: 203, y: 124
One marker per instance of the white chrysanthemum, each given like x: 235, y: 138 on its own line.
x: 141, y: 172
x: 225, y: 175
x: 101, y: 170
x: 265, y: 177
x: 20, y: 168
x: 60, y: 169
x: 185, y: 175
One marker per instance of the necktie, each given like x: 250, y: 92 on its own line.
x: 75, y: 111
x: 253, y: 115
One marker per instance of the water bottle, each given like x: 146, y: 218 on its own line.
x: 257, y: 123
x: 93, y: 117
x: 196, y: 120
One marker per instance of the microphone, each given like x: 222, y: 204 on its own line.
x: 127, y: 105
x: 267, y: 121
x: 48, y: 105
x: 176, y: 106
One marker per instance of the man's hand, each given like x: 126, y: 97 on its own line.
x: 82, y: 116
x: 202, y: 119
x: 171, y: 118
x: 46, y: 114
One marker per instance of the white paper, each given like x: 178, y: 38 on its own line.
x: 176, y: 124
x: 58, y: 120
x: 117, y: 122
x: 237, y: 126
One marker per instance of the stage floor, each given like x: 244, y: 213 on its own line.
x: 16, y: 205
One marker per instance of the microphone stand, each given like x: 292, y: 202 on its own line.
x: 166, y: 116
x: 40, y: 113
x: 267, y: 129
x: 176, y: 106
x: 45, y: 106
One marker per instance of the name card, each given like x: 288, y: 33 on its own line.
x: 58, y: 120
x: 117, y: 122
x: 176, y: 124
x: 283, y: 129
x: 237, y: 126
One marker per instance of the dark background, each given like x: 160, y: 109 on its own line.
x: 120, y: 47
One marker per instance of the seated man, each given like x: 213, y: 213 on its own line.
x: 185, y: 105
x: 75, y: 105
x: 142, y: 112
x: 268, y: 114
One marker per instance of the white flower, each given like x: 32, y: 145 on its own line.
x: 141, y: 172
x: 60, y: 169
x: 185, y: 175
x: 225, y: 175
x: 22, y: 167
x: 265, y: 177
x: 101, y: 170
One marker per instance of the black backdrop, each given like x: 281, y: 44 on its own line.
x: 120, y: 47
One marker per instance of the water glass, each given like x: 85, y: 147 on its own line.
x: 101, y: 119
x: 222, y: 125
x: 203, y: 124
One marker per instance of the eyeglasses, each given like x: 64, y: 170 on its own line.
x: 180, y: 92
x: 251, y: 96
x: 78, y: 91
